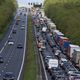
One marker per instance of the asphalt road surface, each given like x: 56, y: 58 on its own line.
x: 14, y: 57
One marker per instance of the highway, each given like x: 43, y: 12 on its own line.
x: 13, y: 56
x: 47, y: 49
x: 45, y: 74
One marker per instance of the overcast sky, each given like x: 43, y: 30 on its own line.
x: 24, y: 2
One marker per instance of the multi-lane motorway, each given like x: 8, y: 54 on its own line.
x: 48, y: 50
x: 14, y: 57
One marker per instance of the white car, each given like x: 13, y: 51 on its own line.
x: 23, y: 25
x: 11, y: 43
x: 62, y: 61
x: 22, y: 28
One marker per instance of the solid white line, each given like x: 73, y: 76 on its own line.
x: 1, y: 50
x: 42, y: 60
x: 43, y: 67
x: 24, y: 52
x: 7, y: 40
x: 5, y: 43
x: 12, y: 29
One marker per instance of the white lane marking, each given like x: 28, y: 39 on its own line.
x: 5, y: 43
x: 43, y: 67
x: 42, y: 61
x: 1, y: 49
x: 24, y: 52
x: 7, y: 40
x: 2, y: 70
x: 6, y: 64
x: 9, y: 36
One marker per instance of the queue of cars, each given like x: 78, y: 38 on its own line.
x: 58, y: 65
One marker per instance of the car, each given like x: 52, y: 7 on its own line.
x: 24, y: 14
x: 22, y: 28
x: 68, y: 67
x: 21, y: 13
x: 23, y: 21
x: 74, y: 75
x: 57, y: 73
x: 19, y: 45
x: 10, y: 42
x: 10, y: 38
x: 1, y: 59
x: 57, y: 52
x: 62, y: 61
x: 14, y: 31
x: 8, y: 76
x: 17, y: 22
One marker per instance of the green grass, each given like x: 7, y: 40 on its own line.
x: 7, y: 8
x: 30, y: 69
x: 66, y: 15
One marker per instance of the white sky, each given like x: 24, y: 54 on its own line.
x: 24, y: 2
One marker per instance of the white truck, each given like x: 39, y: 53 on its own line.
x: 52, y: 63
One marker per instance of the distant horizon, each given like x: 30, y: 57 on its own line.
x: 25, y: 2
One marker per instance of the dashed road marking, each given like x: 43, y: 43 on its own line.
x: 7, y: 40
x: 2, y: 70
x: 6, y: 64
x: 23, y: 52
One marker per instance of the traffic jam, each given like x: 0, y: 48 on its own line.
x: 61, y: 57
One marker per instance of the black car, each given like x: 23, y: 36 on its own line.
x: 21, y: 13
x: 17, y: 23
x: 14, y: 31
x: 24, y: 14
x: 58, y: 74
x: 1, y: 59
x: 8, y: 76
x: 19, y: 45
x: 9, y: 39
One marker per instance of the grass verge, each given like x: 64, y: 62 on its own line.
x: 30, y: 68
x: 65, y: 14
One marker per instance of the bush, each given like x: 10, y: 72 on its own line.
x: 66, y: 16
x: 7, y: 8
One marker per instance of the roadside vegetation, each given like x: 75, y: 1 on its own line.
x: 7, y: 8
x: 66, y: 15
x: 30, y: 68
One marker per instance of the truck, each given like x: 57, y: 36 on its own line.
x: 64, y: 44
x: 52, y: 63
x: 51, y: 26
x: 76, y: 57
x: 57, y: 35
x: 71, y: 50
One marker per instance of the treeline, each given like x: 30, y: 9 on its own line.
x: 66, y: 15
x: 7, y: 8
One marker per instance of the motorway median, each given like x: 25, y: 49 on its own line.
x: 30, y: 68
